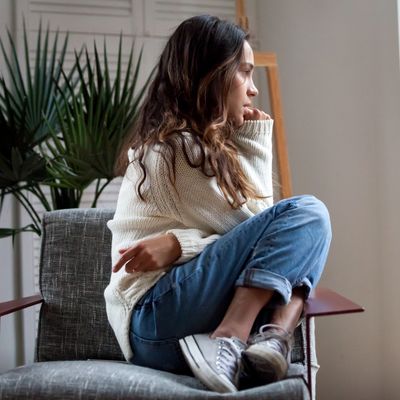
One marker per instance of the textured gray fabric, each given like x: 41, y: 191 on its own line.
x: 117, y: 380
x: 75, y: 268
x: 298, y: 354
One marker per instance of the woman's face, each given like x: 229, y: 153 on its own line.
x: 243, y: 88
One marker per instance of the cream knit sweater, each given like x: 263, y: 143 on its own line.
x: 196, y: 213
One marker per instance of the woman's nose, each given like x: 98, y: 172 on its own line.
x: 252, y: 91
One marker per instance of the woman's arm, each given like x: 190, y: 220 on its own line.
x: 151, y: 235
x: 175, y: 247
x: 198, y: 203
x: 254, y: 142
x: 149, y: 254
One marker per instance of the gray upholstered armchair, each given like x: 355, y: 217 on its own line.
x: 77, y: 355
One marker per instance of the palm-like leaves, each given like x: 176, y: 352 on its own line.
x: 94, y: 122
x: 62, y: 130
x: 25, y: 103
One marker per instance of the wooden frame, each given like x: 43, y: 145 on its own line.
x: 241, y: 17
x: 269, y: 62
x: 9, y: 307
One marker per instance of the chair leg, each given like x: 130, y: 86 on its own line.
x: 308, y: 344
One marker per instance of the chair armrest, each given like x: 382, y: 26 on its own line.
x: 324, y: 301
x: 9, y: 307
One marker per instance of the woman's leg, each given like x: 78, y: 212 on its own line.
x: 296, y: 249
x: 244, y: 308
x: 291, y: 254
x: 288, y: 315
x: 267, y: 356
x: 276, y: 250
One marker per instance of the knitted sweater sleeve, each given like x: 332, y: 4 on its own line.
x: 197, y: 202
x: 254, y: 143
x: 192, y: 242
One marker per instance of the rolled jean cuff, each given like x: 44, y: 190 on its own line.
x: 306, y: 285
x: 260, y: 278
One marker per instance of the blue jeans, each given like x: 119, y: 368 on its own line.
x: 281, y: 248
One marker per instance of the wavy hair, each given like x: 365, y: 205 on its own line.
x: 189, y: 95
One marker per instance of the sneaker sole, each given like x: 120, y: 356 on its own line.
x: 201, y: 369
x: 269, y: 366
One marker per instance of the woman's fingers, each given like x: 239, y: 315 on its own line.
x: 132, y: 265
x: 252, y: 113
x: 149, y: 254
x: 140, y: 263
x: 127, y: 254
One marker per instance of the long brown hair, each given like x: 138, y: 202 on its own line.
x: 189, y: 94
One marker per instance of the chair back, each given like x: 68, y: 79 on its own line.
x: 75, y: 268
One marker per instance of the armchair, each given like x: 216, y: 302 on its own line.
x: 77, y: 355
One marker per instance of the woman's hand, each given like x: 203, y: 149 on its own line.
x: 252, y: 113
x: 149, y: 254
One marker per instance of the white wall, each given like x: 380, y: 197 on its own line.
x: 339, y: 71
x: 389, y: 112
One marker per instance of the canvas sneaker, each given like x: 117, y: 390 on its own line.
x: 215, y: 362
x: 267, y: 356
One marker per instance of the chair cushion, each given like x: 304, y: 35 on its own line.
x: 103, y: 379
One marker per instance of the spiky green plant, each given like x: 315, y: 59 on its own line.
x: 62, y: 130
x: 28, y: 107
x: 93, y: 123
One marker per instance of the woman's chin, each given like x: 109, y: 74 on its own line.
x: 239, y: 121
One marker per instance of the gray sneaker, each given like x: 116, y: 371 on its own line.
x: 267, y: 356
x: 215, y: 362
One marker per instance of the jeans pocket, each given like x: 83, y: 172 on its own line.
x: 162, y: 354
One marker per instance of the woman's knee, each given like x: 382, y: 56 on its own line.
x: 317, y: 213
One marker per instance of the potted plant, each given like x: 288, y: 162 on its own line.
x: 62, y: 130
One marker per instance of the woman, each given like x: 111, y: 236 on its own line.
x: 202, y: 258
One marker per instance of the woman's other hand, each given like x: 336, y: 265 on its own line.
x: 149, y: 254
x: 252, y: 113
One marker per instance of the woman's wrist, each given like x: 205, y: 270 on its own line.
x: 176, y: 250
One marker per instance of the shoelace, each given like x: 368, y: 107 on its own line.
x: 279, y: 341
x: 228, y: 354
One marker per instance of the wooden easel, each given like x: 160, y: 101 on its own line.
x: 268, y: 61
